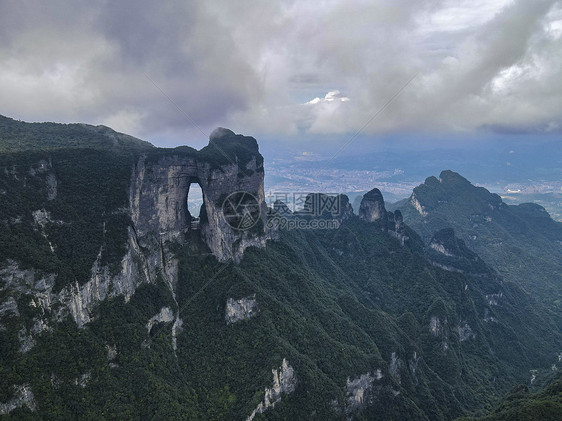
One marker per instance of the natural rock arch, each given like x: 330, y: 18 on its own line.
x: 160, y: 186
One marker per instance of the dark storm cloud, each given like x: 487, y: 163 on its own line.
x: 283, y: 67
x: 97, y: 61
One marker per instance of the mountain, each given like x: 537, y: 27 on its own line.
x: 520, y: 405
x: 520, y: 169
x: 115, y: 303
x: 522, y: 242
x: 17, y: 136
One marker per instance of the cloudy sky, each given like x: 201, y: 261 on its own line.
x: 171, y: 71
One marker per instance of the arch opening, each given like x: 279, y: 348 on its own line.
x: 194, y: 203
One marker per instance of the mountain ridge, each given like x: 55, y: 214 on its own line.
x: 18, y: 136
x: 521, y: 241
x: 352, y: 322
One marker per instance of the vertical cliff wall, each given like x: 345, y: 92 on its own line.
x: 372, y: 209
x: 231, y: 175
x: 157, y: 182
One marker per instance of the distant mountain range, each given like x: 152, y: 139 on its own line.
x: 522, y: 242
x: 520, y: 171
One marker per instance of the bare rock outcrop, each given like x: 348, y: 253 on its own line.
x: 372, y: 209
x: 23, y: 397
x: 372, y: 206
x: 241, y: 309
x: 284, y: 382
x: 231, y: 175
x: 160, y: 181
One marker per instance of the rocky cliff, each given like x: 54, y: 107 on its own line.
x: 230, y: 173
x: 450, y: 253
x: 371, y: 329
x: 372, y: 206
x: 129, y: 245
x: 372, y: 209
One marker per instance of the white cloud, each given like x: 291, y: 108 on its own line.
x: 332, y: 96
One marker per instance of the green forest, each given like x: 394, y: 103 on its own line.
x: 337, y: 304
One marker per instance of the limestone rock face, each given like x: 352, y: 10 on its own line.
x: 160, y: 181
x: 450, y: 253
x: 357, y: 391
x: 361, y: 391
x: 165, y: 315
x: 81, y: 299
x: 372, y: 209
x: 435, y: 326
x: 465, y: 333
x: 9, y: 307
x: 75, y: 300
x: 417, y: 205
x: 23, y: 396
x: 372, y: 206
x: 241, y: 309
x: 230, y: 164
x: 445, y: 242
x: 284, y: 381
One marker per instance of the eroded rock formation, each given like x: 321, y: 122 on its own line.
x: 372, y: 209
x: 230, y: 164
x: 372, y: 206
x: 284, y: 382
x: 23, y: 396
x: 159, y: 186
x: 241, y: 309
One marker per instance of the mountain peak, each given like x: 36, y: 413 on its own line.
x: 450, y: 177
x: 221, y: 132
x: 374, y: 194
x: 432, y: 180
x: 372, y: 206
